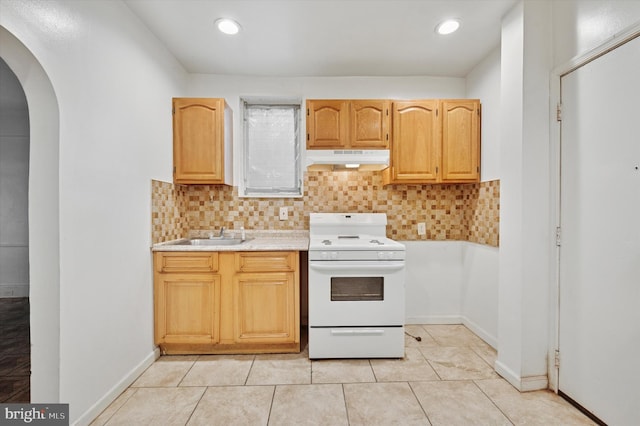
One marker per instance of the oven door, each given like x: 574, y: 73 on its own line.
x: 356, y: 293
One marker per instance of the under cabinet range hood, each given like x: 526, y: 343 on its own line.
x: 347, y: 159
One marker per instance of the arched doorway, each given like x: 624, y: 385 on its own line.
x: 44, y: 228
x: 15, y: 348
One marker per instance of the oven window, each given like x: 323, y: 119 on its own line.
x: 357, y: 288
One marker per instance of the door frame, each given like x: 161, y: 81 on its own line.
x: 555, y: 138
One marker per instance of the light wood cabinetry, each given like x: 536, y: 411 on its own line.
x: 415, y: 146
x: 435, y: 141
x: 342, y: 124
x: 460, y: 140
x: 187, y: 298
x: 202, y: 143
x: 227, y: 302
x: 264, y: 295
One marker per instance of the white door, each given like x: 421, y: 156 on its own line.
x: 599, y: 335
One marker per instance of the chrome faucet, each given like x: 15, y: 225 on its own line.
x: 221, y: 235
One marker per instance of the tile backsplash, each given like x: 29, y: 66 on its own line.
x: 467, y: 212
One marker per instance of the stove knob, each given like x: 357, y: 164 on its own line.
x: 324, y: 255
x: 381, y: 255
x: 334, y: 255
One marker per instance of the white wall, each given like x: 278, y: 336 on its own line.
x: 14, y: 180
x: 580, y: 26
x: 525, y: 232
x: 483, y: 82
x: 433, y: 282
x: 479, y: 264
x: 453, y: 282
x: 113, y: 82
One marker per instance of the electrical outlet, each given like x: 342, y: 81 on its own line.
x: 422, y: 228
x: 284, y: 213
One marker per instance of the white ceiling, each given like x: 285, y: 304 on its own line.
x: 326, y: 37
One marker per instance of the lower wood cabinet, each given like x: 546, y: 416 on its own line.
x: 227, y: 302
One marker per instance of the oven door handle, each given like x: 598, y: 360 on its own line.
x: 336, y: 267
x: 355, y: 332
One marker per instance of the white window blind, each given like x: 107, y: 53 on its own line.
x: 271, y: 150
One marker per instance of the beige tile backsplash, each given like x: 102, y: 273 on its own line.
x: 467, y: 212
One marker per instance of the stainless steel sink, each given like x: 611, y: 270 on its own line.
x: 216, y: 241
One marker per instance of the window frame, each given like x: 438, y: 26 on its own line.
x: 295, y: 192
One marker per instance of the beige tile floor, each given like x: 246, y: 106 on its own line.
x: 445, y: 379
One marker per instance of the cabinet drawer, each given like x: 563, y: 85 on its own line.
x: 187, y: 262
x: 267, y: 261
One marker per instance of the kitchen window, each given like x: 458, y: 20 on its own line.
x: 271, y: 148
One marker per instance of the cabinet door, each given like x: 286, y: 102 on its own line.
x: 370, y: 124
x: 187, y: 308
x: 327, y: 124
x: 198, y: 140
x: 415, y: 142
x: 460, y: 140
x: 265, y: 307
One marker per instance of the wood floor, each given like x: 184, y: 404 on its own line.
x: 15, y: 351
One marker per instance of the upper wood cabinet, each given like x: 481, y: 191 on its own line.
x: 202, y: 142
x: 340, y: 124
x: 415, y: 147
x: 435, y: 141
x: 460, y: 140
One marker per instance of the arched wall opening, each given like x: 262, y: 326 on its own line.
x: 44, y: 217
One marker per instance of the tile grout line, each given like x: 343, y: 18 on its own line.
x: 187, y: 372
x: 195, y: 407
x: 419, y: 403
x: 135, y: 390
x: 344, y: 399
x: 492, y: 401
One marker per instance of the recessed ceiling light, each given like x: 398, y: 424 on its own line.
x: 447, y: 27
x: 228, y: 26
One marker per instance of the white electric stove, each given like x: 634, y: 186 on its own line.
x: 356, y: 287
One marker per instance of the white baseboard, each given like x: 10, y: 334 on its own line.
x: 480, y: 332
x: 434, y: 319
x: 14, y: 290
x: 523, y: 384
x: 97, y: 408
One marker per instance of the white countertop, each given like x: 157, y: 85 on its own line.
x: 257, y: 241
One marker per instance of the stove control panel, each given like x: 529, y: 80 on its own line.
x: 386, y: 255
x: 344, y: 255
x: 329, y: 255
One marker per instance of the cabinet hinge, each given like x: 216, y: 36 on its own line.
x: 307, y: 136
x: 436, y: 112
x: 559, y: 112
x: 558, y: 236
x: 556, y: 358
x: 174, y: 170
x: 436, y: 170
